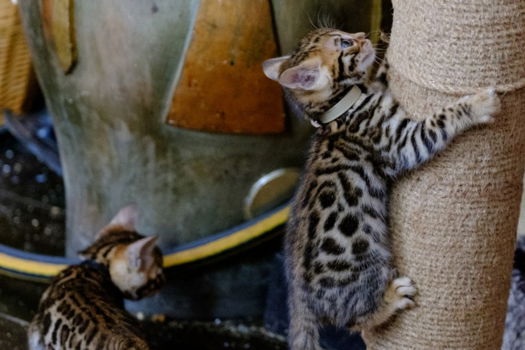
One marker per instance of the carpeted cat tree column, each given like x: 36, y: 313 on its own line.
x: 454, y: 222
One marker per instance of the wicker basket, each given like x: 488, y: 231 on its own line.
x: 16, y: 75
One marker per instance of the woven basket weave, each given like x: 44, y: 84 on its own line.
x: 16, y: 75
x: 454, y: 221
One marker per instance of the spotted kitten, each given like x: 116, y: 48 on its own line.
x: 338, y: 257
x: 83, y: 307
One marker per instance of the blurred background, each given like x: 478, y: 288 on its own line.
x: 164, y: 104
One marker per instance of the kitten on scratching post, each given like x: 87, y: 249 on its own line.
x: 338, y: 253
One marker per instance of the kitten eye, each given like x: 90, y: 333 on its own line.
x: 346, y: 43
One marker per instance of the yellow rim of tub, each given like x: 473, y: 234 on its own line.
x: 37, y: 267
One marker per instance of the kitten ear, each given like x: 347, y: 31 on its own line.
x: 140, y: 253
x: 125, y: 219
x: 305, y: 76
x: 272, y: 67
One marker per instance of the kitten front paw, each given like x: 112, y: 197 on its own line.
x: 484, y: 105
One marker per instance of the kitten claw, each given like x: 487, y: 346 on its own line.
x: 315, y: 123
x: 484, y: 105
x: 487, y: 119
x: 405, y: 291
x: 402, y: 282
x: 405, y: 304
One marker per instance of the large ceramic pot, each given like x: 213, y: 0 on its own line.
x: 163, y: 103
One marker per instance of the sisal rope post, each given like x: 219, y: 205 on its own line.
x: 454, y: 221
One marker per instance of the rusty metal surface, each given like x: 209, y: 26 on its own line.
x: 222, y: 87
x: 58, y: 20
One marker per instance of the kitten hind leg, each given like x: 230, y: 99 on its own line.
x: 399, y: 296
x: 303, y: 333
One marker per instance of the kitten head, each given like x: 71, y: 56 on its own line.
x: 326, y: 62
x: 134, y: 261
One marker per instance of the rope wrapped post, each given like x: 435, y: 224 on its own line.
x: 454, y: 221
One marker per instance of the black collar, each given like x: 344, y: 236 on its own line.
x: 93, y: 264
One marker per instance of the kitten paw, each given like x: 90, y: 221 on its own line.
x: 484, y: 105
x: 399, y: 296
x: 404, y: 293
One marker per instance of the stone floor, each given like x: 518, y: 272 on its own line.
x: 12, y: 332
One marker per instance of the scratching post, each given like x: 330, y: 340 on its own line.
x: 454, y: 221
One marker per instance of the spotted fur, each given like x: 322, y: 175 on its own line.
x: 338, y: 257
x: 83, y: 307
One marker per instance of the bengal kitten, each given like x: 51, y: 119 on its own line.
x: 338, y: 254
x: 83, y: 307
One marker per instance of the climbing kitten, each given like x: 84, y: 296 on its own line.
x: 83, y: 308
x: 338, y: 257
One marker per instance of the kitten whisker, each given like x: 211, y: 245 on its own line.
x: 314, y: 26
